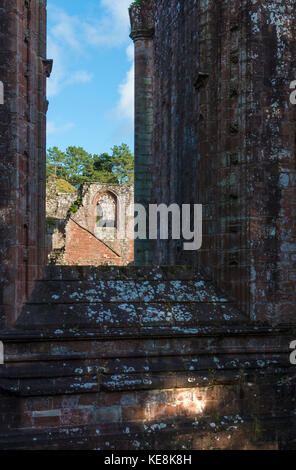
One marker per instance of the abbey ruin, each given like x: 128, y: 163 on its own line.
x: 184, y: 350
x: 93, y: 226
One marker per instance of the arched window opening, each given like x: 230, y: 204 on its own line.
x: 106, y: 216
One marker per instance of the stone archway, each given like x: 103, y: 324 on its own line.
x: 106, y: 214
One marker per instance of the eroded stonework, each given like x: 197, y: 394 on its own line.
x: 176, y: 357
x: 93, y: 226
x: 224, y: 137
x: 23, y: 71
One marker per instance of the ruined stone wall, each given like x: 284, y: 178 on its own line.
x: 176, y: 127
x: 23, y: 71
x: 270, y: 157
x: 159, y: 358
x: 57, y: 207
x: 224, y: 137
x: 58, y: 203
x: 74, y: 234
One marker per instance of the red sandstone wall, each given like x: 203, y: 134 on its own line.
x: 83, y: 248
x: 22, y: 146
x: 270, y: 153
x: 176, y: 132
x: 177, y: 374
x: 142, y: 32
x: 87, y: 244
x: 224, y: 137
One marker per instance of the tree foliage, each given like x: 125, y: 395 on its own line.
x: 77, y: 166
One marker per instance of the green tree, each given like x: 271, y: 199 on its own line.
x: 55, y: 163
x: 103, y: 169
x: 79, y: 163
x: 77, y: 166
x: 123, y: 164
x: 73, y: 165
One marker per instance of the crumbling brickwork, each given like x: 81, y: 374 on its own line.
x: 73, y: 225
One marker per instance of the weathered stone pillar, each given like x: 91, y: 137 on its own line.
x: 23, y: 71
x: 142, y: 24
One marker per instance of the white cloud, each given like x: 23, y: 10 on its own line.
x: 125, y: 107
x: 80, y: 76
x: 65, y: 29
x: 72, y: 34
x: 70, y: 37
x: 130, y: 52
x: 63, y: 42
x: 118, y: 9
x: 113, y: 28
x: 52, y: 128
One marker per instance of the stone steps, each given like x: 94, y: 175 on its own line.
x: 176, y: 435
x: 152, y: 273
x: 105, y: 316
x: 56, y: 292
x: 166, y: 393
x: 153, y: 392
x: 126, y: 298
x: 129, y: 358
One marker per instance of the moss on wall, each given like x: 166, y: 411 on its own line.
x: 133, y: 4
x: 64, y: 187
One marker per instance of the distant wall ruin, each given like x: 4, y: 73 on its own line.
x: 75, y: 234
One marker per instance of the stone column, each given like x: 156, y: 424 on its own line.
x: 23, y: 71
x: 142, y: 24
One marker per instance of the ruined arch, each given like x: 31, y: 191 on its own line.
x: 106, y: 212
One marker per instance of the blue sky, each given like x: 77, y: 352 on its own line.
x: 90, y: 90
